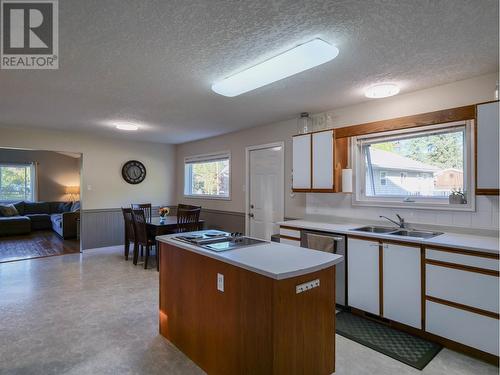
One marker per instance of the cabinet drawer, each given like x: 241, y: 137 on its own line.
x: 286, y: 241
x: 463, y: 259
x: 477, y: 331
x: 467, y: 288
x: 295, y: 233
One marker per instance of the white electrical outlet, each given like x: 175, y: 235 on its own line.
x: 306, y: 286
x: 220, y: 282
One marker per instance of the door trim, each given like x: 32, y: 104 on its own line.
x: 247, y: 178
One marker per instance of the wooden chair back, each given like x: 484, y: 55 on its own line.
x: 140, y: 229
x: 129, y: 224
x: 188, y: 218
x: 187, y: 206
x: 146, y: 207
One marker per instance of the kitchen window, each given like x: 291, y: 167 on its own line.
x: 207, y: 176
x: 429, y: 167
x: 17, y: 182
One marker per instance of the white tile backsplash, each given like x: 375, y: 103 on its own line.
x: 339, y: 205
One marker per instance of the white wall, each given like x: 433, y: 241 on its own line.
x: 236, y: 143
x: 102, y: 162
x: 455, y: 94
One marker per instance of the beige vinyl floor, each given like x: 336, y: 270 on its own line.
x: 95, y: 313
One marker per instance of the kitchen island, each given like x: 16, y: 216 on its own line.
x: 262, y: 309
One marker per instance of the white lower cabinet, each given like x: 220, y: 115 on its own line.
x: 468, y: 328
x: 363, y: 275
x: 463, y: 287
x: 402, y: 291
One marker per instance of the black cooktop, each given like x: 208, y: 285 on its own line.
x: 218, y: 241
x: 233, y: 243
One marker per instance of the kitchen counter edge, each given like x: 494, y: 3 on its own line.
x: 450, y: 240
x: 328, y: 259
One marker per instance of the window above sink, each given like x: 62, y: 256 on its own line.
x: 428, y: 167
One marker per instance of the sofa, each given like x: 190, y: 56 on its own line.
x: 61, y: 217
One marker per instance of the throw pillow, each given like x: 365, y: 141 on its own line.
x: 8, y: 210
x: 76, y: 206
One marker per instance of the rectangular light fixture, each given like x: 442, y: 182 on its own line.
x: 298, y: 59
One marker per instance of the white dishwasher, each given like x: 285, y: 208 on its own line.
x: 331, y: 243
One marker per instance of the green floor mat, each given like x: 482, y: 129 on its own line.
x: 411, y: 350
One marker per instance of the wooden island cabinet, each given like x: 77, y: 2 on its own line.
x: 252, y: 323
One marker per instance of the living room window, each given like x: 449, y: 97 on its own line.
x: 429, y: 167
x: 17, y: 182
x: 207, y: 176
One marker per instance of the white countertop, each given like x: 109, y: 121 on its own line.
x: 457, y: 240
x: 271, y: 259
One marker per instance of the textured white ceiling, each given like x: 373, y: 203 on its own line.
x: 153, y: 62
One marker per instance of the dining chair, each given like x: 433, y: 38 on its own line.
x: 142, y: 237
x: 146, y: 207
x: 187, y: 206
x: 129, y: 233
x: 188, y: 218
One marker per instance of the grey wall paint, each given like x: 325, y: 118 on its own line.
x: 54, y: 172
x: 224, y: 220
x: 100, y: 228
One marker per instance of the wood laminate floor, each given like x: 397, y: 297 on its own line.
x: 37, y: 244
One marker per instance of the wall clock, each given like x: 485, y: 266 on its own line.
x: 134, y: 172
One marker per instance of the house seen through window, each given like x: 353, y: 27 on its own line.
x: 428, y: 165
x: 207, y: 176
x: 16, y: 182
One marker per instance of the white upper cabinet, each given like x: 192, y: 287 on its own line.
x: 301, y: 162
x: 487, y: 147
x: 314, y: 162
x: 322, y: 150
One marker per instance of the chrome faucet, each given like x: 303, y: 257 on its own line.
x: 401, y: 222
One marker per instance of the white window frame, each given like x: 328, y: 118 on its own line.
x: 207, y: 158
x: 359, y: 198
x: 33, y: 185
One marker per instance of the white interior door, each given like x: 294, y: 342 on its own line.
x: 265, y: 190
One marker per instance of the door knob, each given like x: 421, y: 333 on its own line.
x: 251, y: 206
x: 250, y: 215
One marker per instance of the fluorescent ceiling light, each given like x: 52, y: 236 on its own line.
x: 381, y: 90
x: 293, y: 61
x: 126, y: 126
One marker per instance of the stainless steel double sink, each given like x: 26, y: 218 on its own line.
x: 398, y: 232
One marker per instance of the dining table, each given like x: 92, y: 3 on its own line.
x: 158, y: 227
